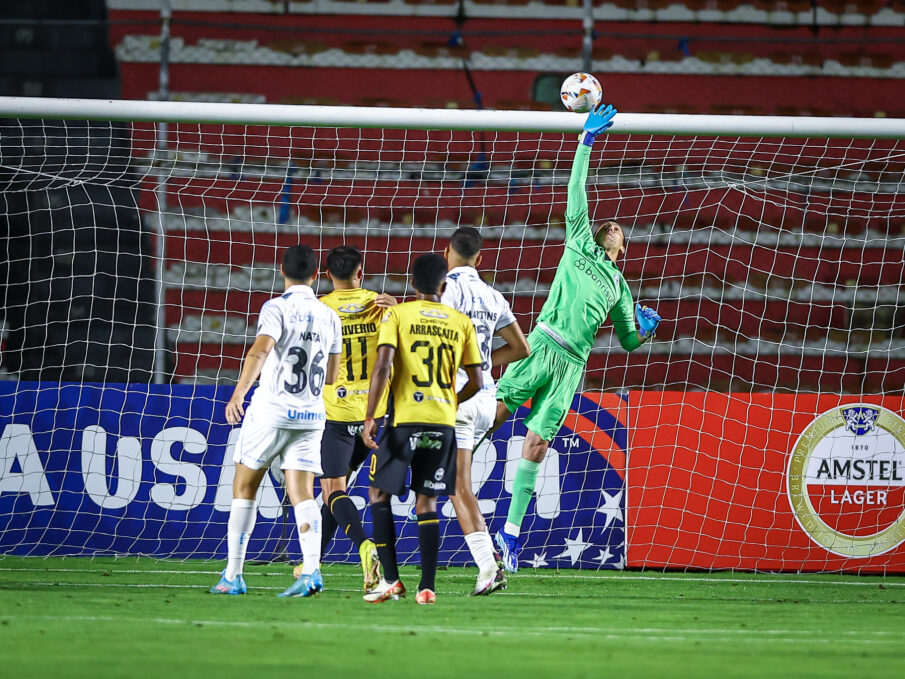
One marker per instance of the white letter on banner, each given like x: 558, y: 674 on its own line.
x: 269, y: 505
x: 547, y: 490
x: 224, y: 497
x: 164, y: 494
x: 94, y: 468
x: 17, y: 443
x: 400, y: 507
x: 482, y: 465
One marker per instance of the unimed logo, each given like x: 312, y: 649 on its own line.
x: 846, y: 480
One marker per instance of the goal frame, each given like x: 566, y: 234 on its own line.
x: 447, y: 119
x: 678, y: 125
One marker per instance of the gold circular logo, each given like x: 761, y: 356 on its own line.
x: 846, y: 480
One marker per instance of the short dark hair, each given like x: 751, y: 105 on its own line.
x: 467, y: 241
x: 428, y: 274
x: 299, y: 263
x: 343, y: 260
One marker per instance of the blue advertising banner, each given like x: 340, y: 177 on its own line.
x: 147, y: 469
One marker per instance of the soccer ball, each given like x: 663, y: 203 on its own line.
x: 580, y: 92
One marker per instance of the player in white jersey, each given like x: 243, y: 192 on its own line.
x: 491, y: 315
x: 296, y: 352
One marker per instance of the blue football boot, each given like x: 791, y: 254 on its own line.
x: 306, y: 585
x: 509, y: 550
x: 225, y: 586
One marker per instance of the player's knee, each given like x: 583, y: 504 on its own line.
x: 425, y: 504
x: 330, y: 486
x: 245, y: 483
x: 376, y: 495
x: 534, y: 448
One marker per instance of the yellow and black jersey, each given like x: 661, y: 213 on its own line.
x: 431, y: 340
x: 347, y: 399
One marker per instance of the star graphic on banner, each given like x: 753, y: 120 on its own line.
x: 538, y: 561
x: 604, y: 559
x: 604, y: 556
x: 574, y: 548
x: 610, y: 507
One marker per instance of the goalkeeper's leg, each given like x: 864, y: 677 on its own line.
x: 549, y: 377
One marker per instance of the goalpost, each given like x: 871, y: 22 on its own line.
x: 762, y: 429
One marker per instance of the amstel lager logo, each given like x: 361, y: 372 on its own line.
x: 846, y: 480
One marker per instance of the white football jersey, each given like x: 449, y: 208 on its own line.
x: 487, y: 309
x: 292, y: 380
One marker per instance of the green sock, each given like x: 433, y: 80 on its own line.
x: 522, y: 490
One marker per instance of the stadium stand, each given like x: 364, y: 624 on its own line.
x: 77, y: 285
x: 820, y: 58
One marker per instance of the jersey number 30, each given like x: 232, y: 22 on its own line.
x: 310, y: 376
x: 432, y: 370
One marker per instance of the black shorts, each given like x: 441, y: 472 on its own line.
x: 429, y: 449
x: 342, y: 449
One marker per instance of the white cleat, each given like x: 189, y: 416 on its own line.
x: 487, y: 586
x: 384, y: 591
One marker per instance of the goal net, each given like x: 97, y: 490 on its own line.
x: 761, y: 429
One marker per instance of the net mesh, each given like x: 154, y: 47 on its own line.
x: 776, y: 265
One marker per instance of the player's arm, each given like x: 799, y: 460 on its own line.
x: 251, y: 370
x: 515, y: 348
x: 387, y: 341
x: 630, y: 336
x: 385, y: 301
x: 578, y: 224
x: 471, y: 364
x: 475, y: 383
x: 336, y: 349
x: 383, y: 371
x: 332, y: 369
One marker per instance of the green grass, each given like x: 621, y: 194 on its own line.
x: 109, y: 617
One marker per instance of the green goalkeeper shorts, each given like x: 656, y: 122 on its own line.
x: 549, y: 376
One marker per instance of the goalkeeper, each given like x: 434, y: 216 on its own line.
x: 587, y: 288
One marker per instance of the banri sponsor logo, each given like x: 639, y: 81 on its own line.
x: 846, y: 480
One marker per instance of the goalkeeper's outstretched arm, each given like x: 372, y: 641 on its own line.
x: 578, y: 223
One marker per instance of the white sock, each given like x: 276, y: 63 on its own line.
x: 242, y: 515
x: 307, y: 512
x: 512, y: 529
x: 481, y: 545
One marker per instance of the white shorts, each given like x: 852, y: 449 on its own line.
x: 474, y: 418
x: 299, y: 449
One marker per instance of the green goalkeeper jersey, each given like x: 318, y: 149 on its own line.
x: 588, y: 285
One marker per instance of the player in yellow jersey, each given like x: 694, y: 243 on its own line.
x: 421, y: 344
x: 342, y: 450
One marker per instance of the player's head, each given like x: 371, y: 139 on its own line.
x: 464, y: 247
x: 299, y: 265
x: 610, y: 237
x: 344, y: 266
x: 429, y: 274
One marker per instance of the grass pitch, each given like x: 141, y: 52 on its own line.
x: 107, y: 617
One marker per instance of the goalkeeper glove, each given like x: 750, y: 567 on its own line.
x: 600, y: 119
x: 648, y: 320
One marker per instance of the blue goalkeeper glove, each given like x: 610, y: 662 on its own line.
x: 600, y: 119
x: 648, y: 320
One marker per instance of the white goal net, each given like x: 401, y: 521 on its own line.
x: 140, y: 254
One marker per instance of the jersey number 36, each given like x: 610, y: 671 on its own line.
x: 311, y: 376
